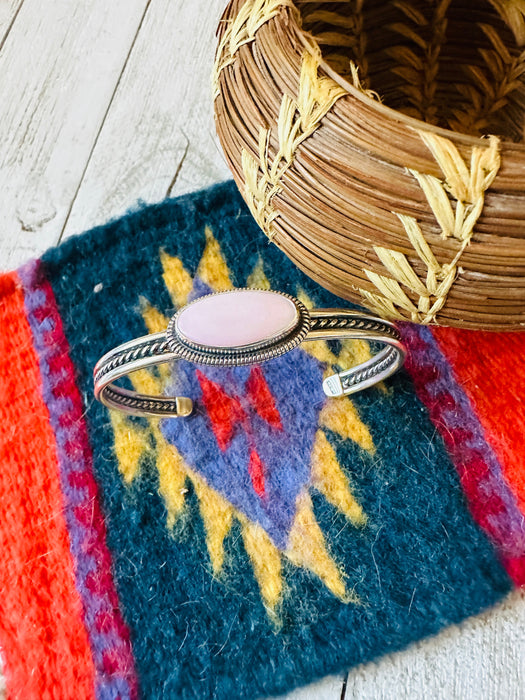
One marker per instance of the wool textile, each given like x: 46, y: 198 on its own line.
x: 274, y: 536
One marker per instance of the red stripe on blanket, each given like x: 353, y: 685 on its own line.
x: 42, y: 634
x: 491, y: 369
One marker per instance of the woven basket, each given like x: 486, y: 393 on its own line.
x: 379, y: 145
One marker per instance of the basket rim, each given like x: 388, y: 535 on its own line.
x: 413, y: 260
x: 389, y: 112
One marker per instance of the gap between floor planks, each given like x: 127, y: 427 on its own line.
x: 58, y: 71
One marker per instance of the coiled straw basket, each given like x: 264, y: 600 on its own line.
x: 379, y: 145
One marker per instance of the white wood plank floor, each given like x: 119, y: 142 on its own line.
x: 103, y: 104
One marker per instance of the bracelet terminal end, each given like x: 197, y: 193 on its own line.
x: 184, y: 406
x: 332, y: 386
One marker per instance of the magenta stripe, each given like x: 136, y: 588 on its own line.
x: 107, y: 632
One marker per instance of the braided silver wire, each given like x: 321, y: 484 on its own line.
x: 311, y: 325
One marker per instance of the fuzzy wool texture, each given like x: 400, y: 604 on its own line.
x: 45, y: 646
x: 220, y: 595
x: 108, y: 636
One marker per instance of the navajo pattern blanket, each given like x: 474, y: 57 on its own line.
x: 273, y: 537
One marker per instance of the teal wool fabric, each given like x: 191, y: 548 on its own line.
x: 271, y: 538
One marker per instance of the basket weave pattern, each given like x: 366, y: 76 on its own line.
x: 415, y: 209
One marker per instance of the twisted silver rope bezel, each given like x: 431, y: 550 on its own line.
x: 357, y: 323
x: 148, y: 348
x: 157, y: 405
x: 357, y: 376
x: 251, y: 354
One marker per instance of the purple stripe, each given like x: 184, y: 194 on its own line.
x: 74, y: 459
x: 508, y: 524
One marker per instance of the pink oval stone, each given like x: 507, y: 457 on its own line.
x: 237, y: 318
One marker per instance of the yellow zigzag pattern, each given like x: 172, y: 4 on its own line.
x: 307, y: 546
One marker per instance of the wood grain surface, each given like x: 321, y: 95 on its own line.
x: 105, y: 104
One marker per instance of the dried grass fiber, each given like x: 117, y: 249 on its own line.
x: 379, y: 144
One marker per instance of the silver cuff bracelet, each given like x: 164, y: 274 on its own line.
x: 242, y: 327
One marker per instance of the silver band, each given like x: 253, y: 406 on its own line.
x: 317, y: 324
